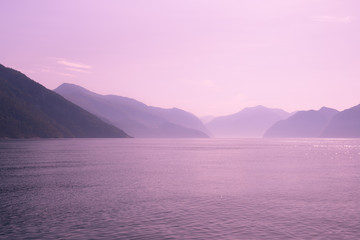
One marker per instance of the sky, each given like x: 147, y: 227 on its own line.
x: 209, y: 57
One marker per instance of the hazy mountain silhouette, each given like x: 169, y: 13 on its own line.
x: 303, y: 124
x: 27, y: 110
x: 207, y: 119
x: 250, y: 122
x: 136, y: 118
x: 345, y: 124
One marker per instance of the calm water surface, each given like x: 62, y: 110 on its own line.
x: 180, y: 189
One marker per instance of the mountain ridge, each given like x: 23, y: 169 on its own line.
x: 29, y: 110
x: 345, y: 124
x: 303, y: 124
x: 249, y: 122
x: 137, y: 118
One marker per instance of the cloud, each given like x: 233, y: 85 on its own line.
x: 78, y: 70
x: 333, y: 19
x: 73, y: 64
x: 66, y: 74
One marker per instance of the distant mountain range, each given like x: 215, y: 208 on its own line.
x: 136, y: 118
x: 275, y: 123
x: 29, y: 110
x: 345, y: 124
x: 325, y: 122
x: 250, y: 122
x: 206, y: 119
x: 303, y: 124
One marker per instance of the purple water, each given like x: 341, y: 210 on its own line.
x: 180, y: 189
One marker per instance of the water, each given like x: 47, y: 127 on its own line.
x: 180, y: 189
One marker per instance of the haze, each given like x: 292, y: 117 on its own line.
x: 207, y: 57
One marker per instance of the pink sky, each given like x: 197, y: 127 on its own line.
x: 204, y: 56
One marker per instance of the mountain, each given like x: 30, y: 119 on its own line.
x: 29, y: 110
x: 136, y: 118
x: 345, y: 124
x: 207, y: 119
x: 250, y: 122
x: 303, y: 124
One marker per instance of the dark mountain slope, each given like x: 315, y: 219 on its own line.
x: 136, y: 118
x: 27, y: 109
